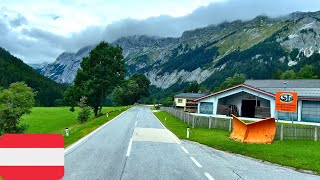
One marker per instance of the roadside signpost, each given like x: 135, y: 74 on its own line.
x: 287, y: 102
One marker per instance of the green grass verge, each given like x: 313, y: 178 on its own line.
x: 56, y: 119
x: 300, y: 154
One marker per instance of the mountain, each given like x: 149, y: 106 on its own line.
x: 258, y: 48
x: 64, y: 69
x: 13, y: 69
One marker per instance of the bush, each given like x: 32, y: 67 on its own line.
x: 71, y: 109
x: 85, y: 111
x: 84, y: 114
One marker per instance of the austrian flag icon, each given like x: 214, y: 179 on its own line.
x: 31, y: 156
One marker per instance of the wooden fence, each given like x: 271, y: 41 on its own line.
x: 283, y: 131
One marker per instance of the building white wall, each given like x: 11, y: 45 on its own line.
x: 183, y: 104
x: 237, y: 99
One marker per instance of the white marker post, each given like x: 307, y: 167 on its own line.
x: 188, y: 132
x: 107, y: 114
x: 67, y: 131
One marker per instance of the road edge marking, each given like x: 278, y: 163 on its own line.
x: 195, y: 162
x: 175, y: 138
x: 129, y: 147
x: 72, y: 146
x: 208, y: 176
x: 184, y: 149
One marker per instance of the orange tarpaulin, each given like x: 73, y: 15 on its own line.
x: 260, y: 132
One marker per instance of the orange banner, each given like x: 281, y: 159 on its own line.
x: 286, y: 101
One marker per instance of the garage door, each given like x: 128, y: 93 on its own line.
x: 206, y: 108
x: 310, y: 111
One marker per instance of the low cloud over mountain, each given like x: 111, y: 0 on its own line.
x: 38, y: 44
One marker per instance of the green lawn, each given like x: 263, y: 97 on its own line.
x: 56, y: 119
x: 300, y: 154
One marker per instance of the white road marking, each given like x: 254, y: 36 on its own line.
x: 135, y: 123
x: 137, y: 116
x: 208, y: 176
x: 129, y: 147
x: 184, y: 149
x: 175, y: 138
x: 152, y: 135
x: 196, y: 162
x: 69, y: 148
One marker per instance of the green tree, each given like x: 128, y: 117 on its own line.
x: 99, y: 74
x: 236, y: 79
x: 277, y: 74
x: 143, y: 86
x: 132, y: 90
x: 289, y: 74
x: 307, y: 72
x: 15, y: 101
x: 168, y: 101
x: 194, y: 87
x: 71, y: 97
x: 127, y: 93
x: 13, y: 70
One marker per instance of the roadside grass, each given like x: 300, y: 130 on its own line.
x: 300, y: 154
x: 56, y: 119
x: 153, y: 108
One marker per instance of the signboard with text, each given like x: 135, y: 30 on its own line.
x: 286, y: 101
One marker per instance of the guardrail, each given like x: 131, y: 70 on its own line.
x: 225, y: 123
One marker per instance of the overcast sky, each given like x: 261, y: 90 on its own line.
x: 38, y: 30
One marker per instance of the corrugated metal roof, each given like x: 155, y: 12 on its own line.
x: 190, y: 95
x: 304, y: 88
x: 312, y: 83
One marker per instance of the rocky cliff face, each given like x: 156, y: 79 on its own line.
x: 200, y: 54
x: 64, y: 69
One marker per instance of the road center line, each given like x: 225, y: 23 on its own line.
x: 184, y: 149
x: 208, y: 176
x: 135, y: 123
x: 129, y: 147
x: 196, y: 162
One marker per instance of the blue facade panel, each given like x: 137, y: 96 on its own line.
x: 206, y: 108
x: 310, y: 111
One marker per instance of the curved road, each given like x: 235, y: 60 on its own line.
x: 136, y: 146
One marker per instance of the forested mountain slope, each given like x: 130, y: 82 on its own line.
x: 13, y: 69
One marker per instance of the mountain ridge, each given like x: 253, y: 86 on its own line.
x: 199, y: 54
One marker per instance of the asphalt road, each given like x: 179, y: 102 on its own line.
x: 136, y: 146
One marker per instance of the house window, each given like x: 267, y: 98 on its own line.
x: 206, y: 108
x: 179, y: 100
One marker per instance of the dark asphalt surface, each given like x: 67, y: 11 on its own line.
x: 156, y: 154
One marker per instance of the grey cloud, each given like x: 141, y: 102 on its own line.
x: 213, y: 14
x: 3, y: 28
x: 18, y: 21
x: 37, y: 45
x: 55, y: 17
